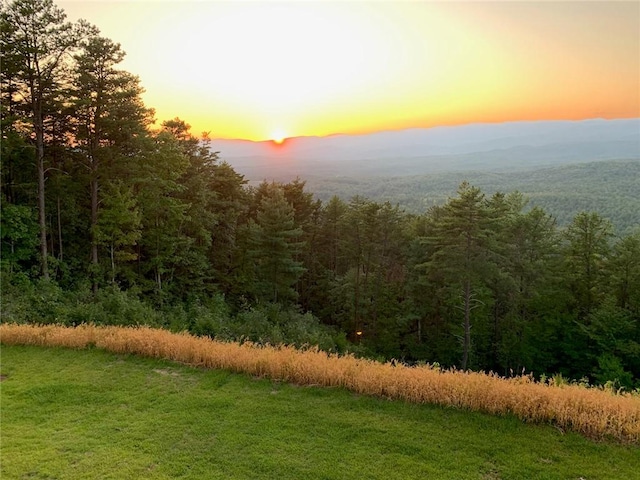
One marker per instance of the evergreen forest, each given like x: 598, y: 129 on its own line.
x: 112, y: 216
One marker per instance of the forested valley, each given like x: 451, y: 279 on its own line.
x: 609, y: 187
x: 111, y: 219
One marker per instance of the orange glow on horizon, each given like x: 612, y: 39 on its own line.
x: 278, y: 145
x: 384, y: 65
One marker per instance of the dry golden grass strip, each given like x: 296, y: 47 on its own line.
x: 595, y: 412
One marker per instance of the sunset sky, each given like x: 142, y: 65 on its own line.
x: 261, y: 70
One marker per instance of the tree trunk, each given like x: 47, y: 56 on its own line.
x: 39, y: 128
x: 113, y: 265
x: 467, y: 324
x: 60, y: 253
x: 356, y: 310
x: 94, y: 226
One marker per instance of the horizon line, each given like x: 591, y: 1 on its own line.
x: 452, y: 125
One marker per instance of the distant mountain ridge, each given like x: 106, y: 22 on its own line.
x: 504, y: 146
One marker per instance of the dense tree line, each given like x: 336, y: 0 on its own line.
x: 111, y: 219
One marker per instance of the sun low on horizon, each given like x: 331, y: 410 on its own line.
x: 275, y: 70
x: 278, y: 136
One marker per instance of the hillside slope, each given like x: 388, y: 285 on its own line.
x: 91, y: 414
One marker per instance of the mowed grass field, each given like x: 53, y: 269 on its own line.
x: 92, y: 414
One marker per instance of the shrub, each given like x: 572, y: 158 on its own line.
x: 272, y: 323
x: 610, y: 371
x: 24, y: 300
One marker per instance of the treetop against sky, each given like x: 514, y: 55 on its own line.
x: 259, y: 70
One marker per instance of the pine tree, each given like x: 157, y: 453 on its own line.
x: 35, y: 38
x: 109, y: 115
x: 275, y: 242
x: 587, y: 250
x: 459, y: 244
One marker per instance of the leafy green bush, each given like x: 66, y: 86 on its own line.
x: 274, y: 324
x: 110, y: 306
x: 611, y: 371
x: 208, y: 317
x: 27, y: 301
x: 43, y: 301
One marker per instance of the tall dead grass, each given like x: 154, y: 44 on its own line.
x: 594, y: 412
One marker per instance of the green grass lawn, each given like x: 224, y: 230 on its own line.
x: 91, y: 414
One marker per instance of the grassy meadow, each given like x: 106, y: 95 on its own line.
x: 90, y: 413
x: 595, y: 412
